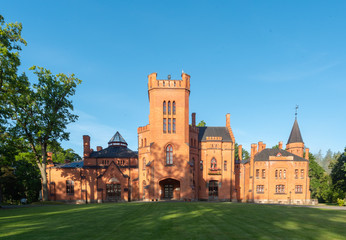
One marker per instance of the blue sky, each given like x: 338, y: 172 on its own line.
x: 253, y: 59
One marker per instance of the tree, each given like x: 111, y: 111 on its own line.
x: 320, y: 183
x: 338, y: 176
x: 41, y: 112
x: 201, y: 124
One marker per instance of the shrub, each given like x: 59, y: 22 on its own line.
x: 341, y: 202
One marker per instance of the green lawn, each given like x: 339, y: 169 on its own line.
x: 172, y: 220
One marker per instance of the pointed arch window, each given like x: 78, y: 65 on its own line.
x: 164, y: 107
x: 213, y: 164
x: 173, y: 107
x: 169, y: 155
x: 169, y: 107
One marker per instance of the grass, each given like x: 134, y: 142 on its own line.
x: 172, y: 220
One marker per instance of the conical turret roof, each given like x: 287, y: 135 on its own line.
x: 295, y: 135
x: 117, y: 140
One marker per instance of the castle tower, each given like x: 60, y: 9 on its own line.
x: 164, y: 143
x: 295, y: 142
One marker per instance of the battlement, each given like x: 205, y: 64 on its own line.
x: 143, y: 129
x: 184, y: 83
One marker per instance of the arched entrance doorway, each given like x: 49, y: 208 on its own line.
x: 113, y: 190
x: 170, y: 189
x: 213, y: 190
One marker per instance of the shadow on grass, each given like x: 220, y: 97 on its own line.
x: 172, y: 220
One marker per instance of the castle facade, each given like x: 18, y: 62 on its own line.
x: 177, y: 160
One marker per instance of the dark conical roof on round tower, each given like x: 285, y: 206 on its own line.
x: 117, y: 140
x: 295, y: 135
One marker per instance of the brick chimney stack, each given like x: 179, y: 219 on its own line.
x: 307, y: 153
x: 98, y: 148
x: 86, y: 145
x: 193, y: 116
x: 240, y: 152
x: 228, y: 120
x: 280, y: 145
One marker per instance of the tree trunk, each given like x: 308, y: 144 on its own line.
x: 42, y: 167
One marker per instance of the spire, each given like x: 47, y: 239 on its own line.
x: 117, y: 140
x: 295, y: 135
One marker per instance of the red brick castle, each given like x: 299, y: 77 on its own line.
x: 180, y: 161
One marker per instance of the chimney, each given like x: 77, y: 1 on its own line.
x: 49, y: 158
x: 264, y: 146
x: 260, y: 143
x: 98, y: 148
x: 240, y: 152
x: 193, y: 116
x: 280, y: 145
x: 306, y: 153
x: 228, y: 120
x: 253, y: 149
x: 86, y: 145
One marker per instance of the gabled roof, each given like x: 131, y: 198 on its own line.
x: 295, y: 135
x: 114, y: 152
x: 205, y: 132
x: 266, y: 153
x: 117, y: 140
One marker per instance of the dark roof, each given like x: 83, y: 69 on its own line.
x: 265, y: 153
x: 117, y: 139
x: 76, y: 164
x: 114, y: 152
x: 205, y: 132
x: 295, y: 135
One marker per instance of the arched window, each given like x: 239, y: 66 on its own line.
x: 213, y: 164
x: 169, y: 155
x: 145, y: 142
x: 164, y: 107
x: 169, y: 107
x: 173, y: 107
x: 280, y: 174
x: 201, y: 165
x: 141, y: 142
x: 144, y: 163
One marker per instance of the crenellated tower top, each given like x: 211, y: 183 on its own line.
x: 154, y: 83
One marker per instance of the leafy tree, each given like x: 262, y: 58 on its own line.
x: 41, y: 112
x: 201, y: 124
x: 320, y: 182
x: 338, y: 176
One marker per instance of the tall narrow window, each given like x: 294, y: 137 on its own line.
x: 164, y: 107
x: 169, y: 125
x: 145, y: 142
x: 257, y: 173
x: 69, y: 187
x: 173, y: 107
x: 302, y: 173
x: 169, y: 155
x: 144, y: 163
x: 296, y: 174
x: 284, y: 173
x: 225, y: 165
x: 263, y: 173
x: 213, y: 164
x: 174, y: 125
x: 201, y: 165
x: 141, y: 142
x: 169, y: 107
x: 280, y: 174
x: 276, y: 173
x: 164, y: 125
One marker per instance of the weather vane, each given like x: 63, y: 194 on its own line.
x: 296, y: 110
